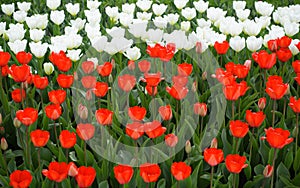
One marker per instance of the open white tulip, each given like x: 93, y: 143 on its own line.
x: 132, y: 53
x: 180, y: 4
x: 201, y: 6
x: 128, y: 8
x: 38, y: 49
x: 172, y: 18
x: 159, y: 9
x: 53, y: 4
x: 20, y: 16
x: 92, y: 5
x: 15, y: 32
x: 291, y: 29
x: 253, y: 43
x: 73, y: 9
x: 8, y: 9
x: 74, y: 55
x: 144, y: 5
x: 23, y: 6
x: 263, y: 8
x: 36, y: 34
x: 17, y: 46
x: 239, y: 5
x: 57, y: 17
x: 237, y: 43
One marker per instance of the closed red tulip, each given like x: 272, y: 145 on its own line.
x: 61, y: 61
x: 73, y: 170
x: 100, y: 89
x: 16, y: 95
x: 57, y: 171
x: 177, y: 92
x: 20, y: 179
x: 276, y: 89
x: 4, y: 70
x: 123, y: 173
x: 272, y: 45
x: 85, y: 176
x: 152, y: 91
x: 57, y: 96
x: 39, y: 138
x: 154, y: 51
x: 137, y: 113
x: 222, y: 47
x: 19, y: 73
x: 105, y: 69
x: 27, y: 116
x: 213, y: 156
x: 152, y: 79
x: 238, y: 128
x: 40, y: 82
x: 144, y: 66
x: 235, y: 163
x: 4, y: 58
x: 185, y: 69
x: 200, y: 109
x: 171, y: 140
x: 67, y: 139
x: 150, y: 172
x: 104, y: 116
x: 284, y: 42
x: 126, y: 82
x: 23, y: 57
x: 65, y: 81
x: 85, y: 131
x: 165, y: 112
x: 88, y: 82
x: 53, y: 111
x: 88, y: 67
x: 268, y: 171
x: 224, y: 77
x: 255, y: 119
x: 297, y: 78
x: 135, y: 130
x: 262, y: 103
x: 154, y: 129
x: 277, y: 138
x: 295, y: 104
x: 284, y: 54
x: 264, y: 59
x: 180, y: 170
x: 296, y: 66
x: 235, y: 90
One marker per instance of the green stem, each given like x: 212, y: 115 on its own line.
x: 27, y: 148
x: 67, y: 155
x: 273, y: 118
x: 55, y: 132
x: 201, y: 126
x: 273, y: 164
x: 211, y: 176
x: 232, y: 110
x: 5, y: 164
x: 233, y: 181
x: 250, y: 156
x: 39, y: 157
x: 85, y: 161
x: 297, y: 131
x: 22, y: 100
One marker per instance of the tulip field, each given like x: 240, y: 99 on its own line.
x: 146, y: 93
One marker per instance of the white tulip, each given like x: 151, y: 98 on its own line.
x: 1, y: 48
x: 160, y: 9
x: 2, y: 27
x: 57, y: 17
x: 48, y: 68
x: 189, y: 13
x: 237, y: 43
x: 180, y: 4
x: 70, y: 30
x: 185, y: 26
x: 138, y: 28
x: 263, y: 8
x: 38, y: 49
x: 20, y: 16
x: 201, y: 6
x: 36, y: 34
x: 276, y: 31
x: 116, y: 32
x: 99, y: 43
x: 24, y: 6
x: 242, y: 14
x: 94, y: 60
x: 53, y: 4
x: 78, y: 23
x: 92, y: 5
x: 144, y: 16
x: 8, y: 9
x: 253, y: 43
x: 251, y: 28
x: 73, y: 41
x: 235, y: 29
x: 128, y: 8
x: 92, y: 30
x: 112, y: 12
x: 264, y: 21
x: 294, y: 48
x: 125, y: 19
x: 291, y: 29
x: 74, y: 55
x: 144, y: 5
x: 172, y: 18
x: 118, y: 45
x: 17, y: 46
x: 73, y: 9
x: 37, y: 21
x: 215, y: 14
x: 178, y: 37
x: 133, y: 53
x: 154, y: 36
x: 15, y: 32
x: 160, y: 22
x: 203, y: 23
x: 93, y: 16
x: 239, y: 5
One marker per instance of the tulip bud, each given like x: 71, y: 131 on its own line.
x: 204, y: 75
x: 48, y: 68
x: 200, y: 109
x: 113, y: 62
x: 4, y: 144
x: 0, y: 119
x: 288, y: 91
x: 131, y: 65
x: 73, y: 170
x: 24, y: 85
x: 17, y: 123
x: 2, y: 130
x: 110, y: 78
x: 295, y: 132
x: 268, y: 171
x: 82, y: 111
x: 75, y: 76
x: 262, y: 103
x: 214, y: 143
x: 88, y: 95
x: 188, y: 147
x: 198, y: 47
x: 194, y: 86
x: 248, y: 63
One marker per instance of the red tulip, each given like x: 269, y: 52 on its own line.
x: 180, y: 170
x: 165, y: 112
x: 57, y: 171
x: 16, y: 95
x: 235, y: 90
x: 135, y: 130
x: 73, y: 170
x: 154, y: 51
x: 57, y: 96
x: 39, y: 138
x: 88, y: 82
x: 154, y: 129
x: 19, y: 73
x: 264, y: 60
x: 298, y: 45
x: 284, y: 54
x: 276, y: 89
x: 255, y: 119
x: 152, y: 79
x: 40, y: 82
x: 65, y: 81
x: 53, y: 111
x: 104, y: 116
x: 152, y: 91
x: 277, y: 138
x: 222, y: 47
x: 150, y: 172
x: 262, y: 103
x: 88, y: 67
x: 180, y: 80
x: 67, y: 139
x: 131, y: 65
x: 213, y: 156
x: 123, y: 173
x: 200, y: 109
x: 241, y: 71
x: 144, y: 66
x: 171, y: 140
x: 105, y: 69
x: 235, y: 163
x: 296, y: 66
x: 284, y: 42
x: 27, y: 116
x: 23, y: 57
x: 85, y: 176
x: 4, y: 70
x: 272, y: 45
x: 85, y: 131
x: 177, y: 92
x: 224, y: 77
x: 20, y: 179
x: 4, y: 58
x: 60, y: 60
x: 126, y: 82
x: 268, y: 171
x: 238, y: 128
x: 185, y: 69
x: 100, y: 89
x: 295, y: 104
x: 137, y: 113
x: 297, y: 78
x: 167, y: 53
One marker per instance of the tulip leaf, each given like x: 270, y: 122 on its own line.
x: 288, y: 161
x: 161, y: 183
x: 4, y: 181
x: 296, y: 164
x: 4, y: 101
x: 103, y: 184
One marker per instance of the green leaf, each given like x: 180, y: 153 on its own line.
x: 161, y: 183
x: 296, y: 164
x: 103, y: 184
x: 289, y: 159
